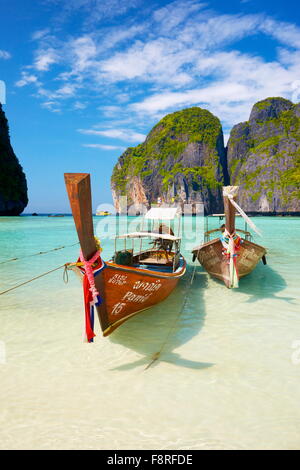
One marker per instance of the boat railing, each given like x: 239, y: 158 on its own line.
x: 161, y: 246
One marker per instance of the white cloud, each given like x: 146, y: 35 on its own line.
x: 104, y: 147
x: 26, y: 79
x: 127, y: 135
x: 84, y: 50
x: 231, y: 93
x: 210, y: 94
x: 182, y: 55
x: 40, y: 33
x: 110, y: 111
x: 52, y: 106
x: 79, y: 105
x: 175, y: 13
x: 93, y: 11
x: 4, y: 54
x: 159, y: 61
x: 286, y: 33
x: 45, y: 58
x: 64, y: 92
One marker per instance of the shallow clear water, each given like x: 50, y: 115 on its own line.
x: 228, y: 376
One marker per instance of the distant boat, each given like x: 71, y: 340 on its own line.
x: 133, y: 280
x: 103, y: 213
x: 232, y: 255
x: 56, y: 215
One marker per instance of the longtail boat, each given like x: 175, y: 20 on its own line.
x: 232, y: 255
x: 131, y: 281
x: 103, y: 213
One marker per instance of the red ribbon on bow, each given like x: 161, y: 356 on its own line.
x: 91, y: 294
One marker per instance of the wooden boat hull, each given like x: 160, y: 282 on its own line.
x: 211, y: 257
x: 129, y: 291
x: 130, y: 284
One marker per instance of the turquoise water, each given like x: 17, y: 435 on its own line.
x: 228, y: 376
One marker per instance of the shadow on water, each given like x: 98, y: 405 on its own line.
x: 263, y: 283
x: 157, y: 332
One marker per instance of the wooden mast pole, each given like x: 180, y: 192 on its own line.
x: 229, y: 209
x: 79, y: 191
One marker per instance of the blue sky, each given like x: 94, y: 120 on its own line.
x: 86, y: 79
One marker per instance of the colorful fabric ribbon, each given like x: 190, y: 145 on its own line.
x: 92, y: 297
x: 231, y: 244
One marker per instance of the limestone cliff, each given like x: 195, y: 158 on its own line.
x: 13, y: 186
x: 182, y: 161
x: 264, y: 157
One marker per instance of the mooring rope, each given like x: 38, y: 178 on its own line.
x: 38, y: 253
x: 30, y: 280
x: 156, y: 355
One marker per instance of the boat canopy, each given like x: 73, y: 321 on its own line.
x: 162, y: 213
x: 221, y: 215
x: 165, y: 236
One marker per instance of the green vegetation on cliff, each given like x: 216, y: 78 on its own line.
x: 165, y: 146
x: 266, y: 103
x: 264, y: 154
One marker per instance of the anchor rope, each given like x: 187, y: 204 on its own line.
x: 38, y: 253
x: 33, y: 279
x: 158, y: 353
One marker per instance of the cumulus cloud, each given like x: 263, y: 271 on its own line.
x: 180, y: 55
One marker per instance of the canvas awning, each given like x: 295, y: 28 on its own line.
x: 165, y: 236
x: 222, y: 215
x: 162, y: 213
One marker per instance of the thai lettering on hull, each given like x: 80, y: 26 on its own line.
x: 118, y: 279
x: 144, y: 290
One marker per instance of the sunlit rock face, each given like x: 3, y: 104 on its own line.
x: 181, y: 162
x: 263, y: 156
